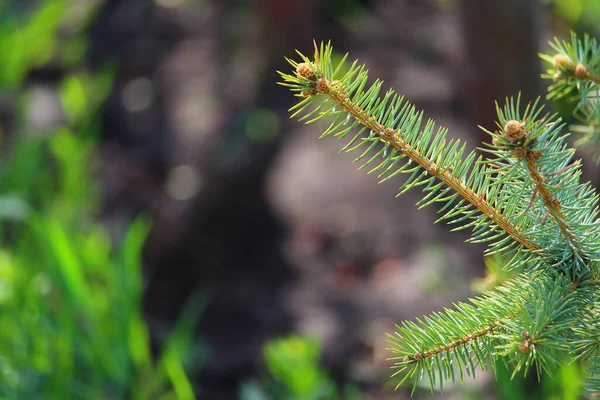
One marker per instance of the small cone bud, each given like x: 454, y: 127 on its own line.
x: 305, y: 70
x: 519, y: 152
x: 514, y: 131
x: 322, y: 85
x: 525, y: 346
x: 535, y: 155
x: 580, y: 72
x: 388, y: 132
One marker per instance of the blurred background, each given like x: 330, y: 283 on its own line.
x: 169, y: 233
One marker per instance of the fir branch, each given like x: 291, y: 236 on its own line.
x: 552, y: 205
x: 525, y: 201
x: 556, y: 200
x: 586, y: 343
x: 460, y: 337
x: 398, y: 126
x: 575, y: 71
x: 524, y: 321
x: 575, y: 67
x: 541, y: 334
x: 394, y: 139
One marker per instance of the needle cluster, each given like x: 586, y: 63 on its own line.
x: 522, y: 197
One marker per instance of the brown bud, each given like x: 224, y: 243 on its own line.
x: 514, y: 131
x: 519, y: 152
x: 322, y: 85
x: 525, y: 346
x: 561, y: 62
x: 305, y: 70
x: 388, y: 132
x: 406, y: 359
x: 580, y: 72
x: 535, y: 155
x: 417, y: 356
x: 525, y: 334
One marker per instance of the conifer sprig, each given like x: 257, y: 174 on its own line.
x: 391, y: 133
x: 575, y: 67
x: 552, y: 206
x: 524, y: 200
x: 461, y: 340
x: 575, y: 71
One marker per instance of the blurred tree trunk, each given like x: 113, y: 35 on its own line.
x: 501, y: 46
x: 229, y: 243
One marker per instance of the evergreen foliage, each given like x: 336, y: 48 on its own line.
x: 524, y: 199
x: 576, y: 75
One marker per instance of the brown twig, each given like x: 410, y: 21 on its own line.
x: 395, y: 140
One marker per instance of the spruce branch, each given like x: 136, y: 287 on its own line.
x: 459, y: 337
x: 526, y: 321
x: 394, y: 139
x: 575, y: 71
x: 545, y: 171
x: 397, y: 125
x: 524, y: 200
x: 586, y: 340
x: 540, y: 334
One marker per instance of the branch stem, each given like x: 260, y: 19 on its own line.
x: 395, y: 140
x: 551, y: 203
x: 454, y: 344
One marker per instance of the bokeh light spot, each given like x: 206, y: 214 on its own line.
x: 169, y: 3
x: 183, y: 182
x: 138, y: 94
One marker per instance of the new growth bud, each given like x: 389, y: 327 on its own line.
x: 535, y: 155
x: 525, y: 346
x: 305, y: 70
x: 322, y: 86
x: 388, y: 132
x: 519, y: 152
x: 580, y: 72
x: 514, y: 131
